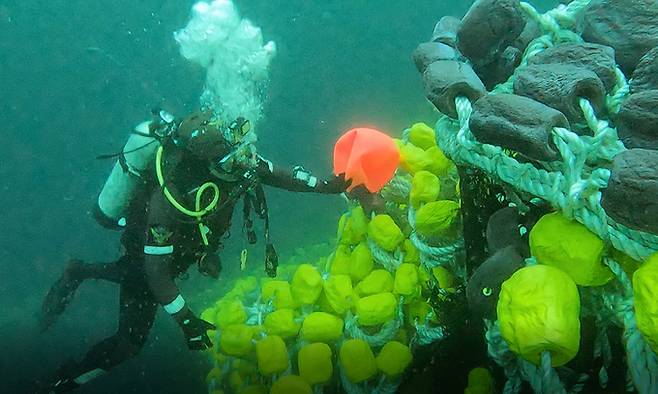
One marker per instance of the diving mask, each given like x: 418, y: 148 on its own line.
x: 237, y: 130
x: 242, y: 139
x: 243, y: 156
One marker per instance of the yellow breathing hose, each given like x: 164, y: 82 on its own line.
x: 199, y: 212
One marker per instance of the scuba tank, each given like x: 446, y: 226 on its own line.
x: 128, y: 177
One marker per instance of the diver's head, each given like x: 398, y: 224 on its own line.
x: 201, y: 137
x: 207, y: 139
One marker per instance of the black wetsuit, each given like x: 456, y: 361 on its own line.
x: 147, y: 281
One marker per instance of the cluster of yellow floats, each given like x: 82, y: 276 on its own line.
x: 291, y: 335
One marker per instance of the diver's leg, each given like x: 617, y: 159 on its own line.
x: 136, y: 316
x: 63, y: 290
x: 110, y: 272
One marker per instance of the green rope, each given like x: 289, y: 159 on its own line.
x: 619, y: 93
x: 425, y: 334
x: 550, y: 24
x: 550, y: 381
x: 386, y: 333
x: 397, y: 189
x: 578, y: 197
x: 605, y: 143
x: 642, y: 361
x: 386, y: 386
x: 567, y: 15
x: 257, y: 311
x: 573, y: 9
x: 348, y: 386
x: 446, y: 253
x: 543, y: 378
x: 390, y: 261
x: 502, y: 355
x: 592, y: 304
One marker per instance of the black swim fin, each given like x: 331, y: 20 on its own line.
x: 60, y: 294
x: 61, y: 382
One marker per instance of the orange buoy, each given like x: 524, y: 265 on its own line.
x: 367, y: 157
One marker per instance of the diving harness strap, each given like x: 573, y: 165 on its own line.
x: 271, y: 257
x: 258, y: 203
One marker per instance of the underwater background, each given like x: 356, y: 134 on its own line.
x: 76, y: 76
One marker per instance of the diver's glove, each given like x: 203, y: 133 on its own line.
x: 210, y: 264
x: 194, y: 329
x: 335, y: 185
x: 338, y: 184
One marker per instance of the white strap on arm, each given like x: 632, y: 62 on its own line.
x: 175, y: 306
x: 270, y: 165
x: 302, y: 174
x: 158, y: 250
x: 89, y: 375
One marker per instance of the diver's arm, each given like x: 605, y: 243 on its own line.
x: 298, y: 179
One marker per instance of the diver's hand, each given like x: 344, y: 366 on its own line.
x: 210, y: 265
x: 335, y: 185
x: 194, y: 329
x: 371, y: 202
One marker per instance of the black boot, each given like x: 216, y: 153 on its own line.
x: 60, y: 386
x: 70, y: 376
x: 61, y: 294
x: 63, y: 381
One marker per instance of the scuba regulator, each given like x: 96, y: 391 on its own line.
x: 162, y: 125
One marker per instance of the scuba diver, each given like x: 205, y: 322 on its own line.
x: 173, y: 192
